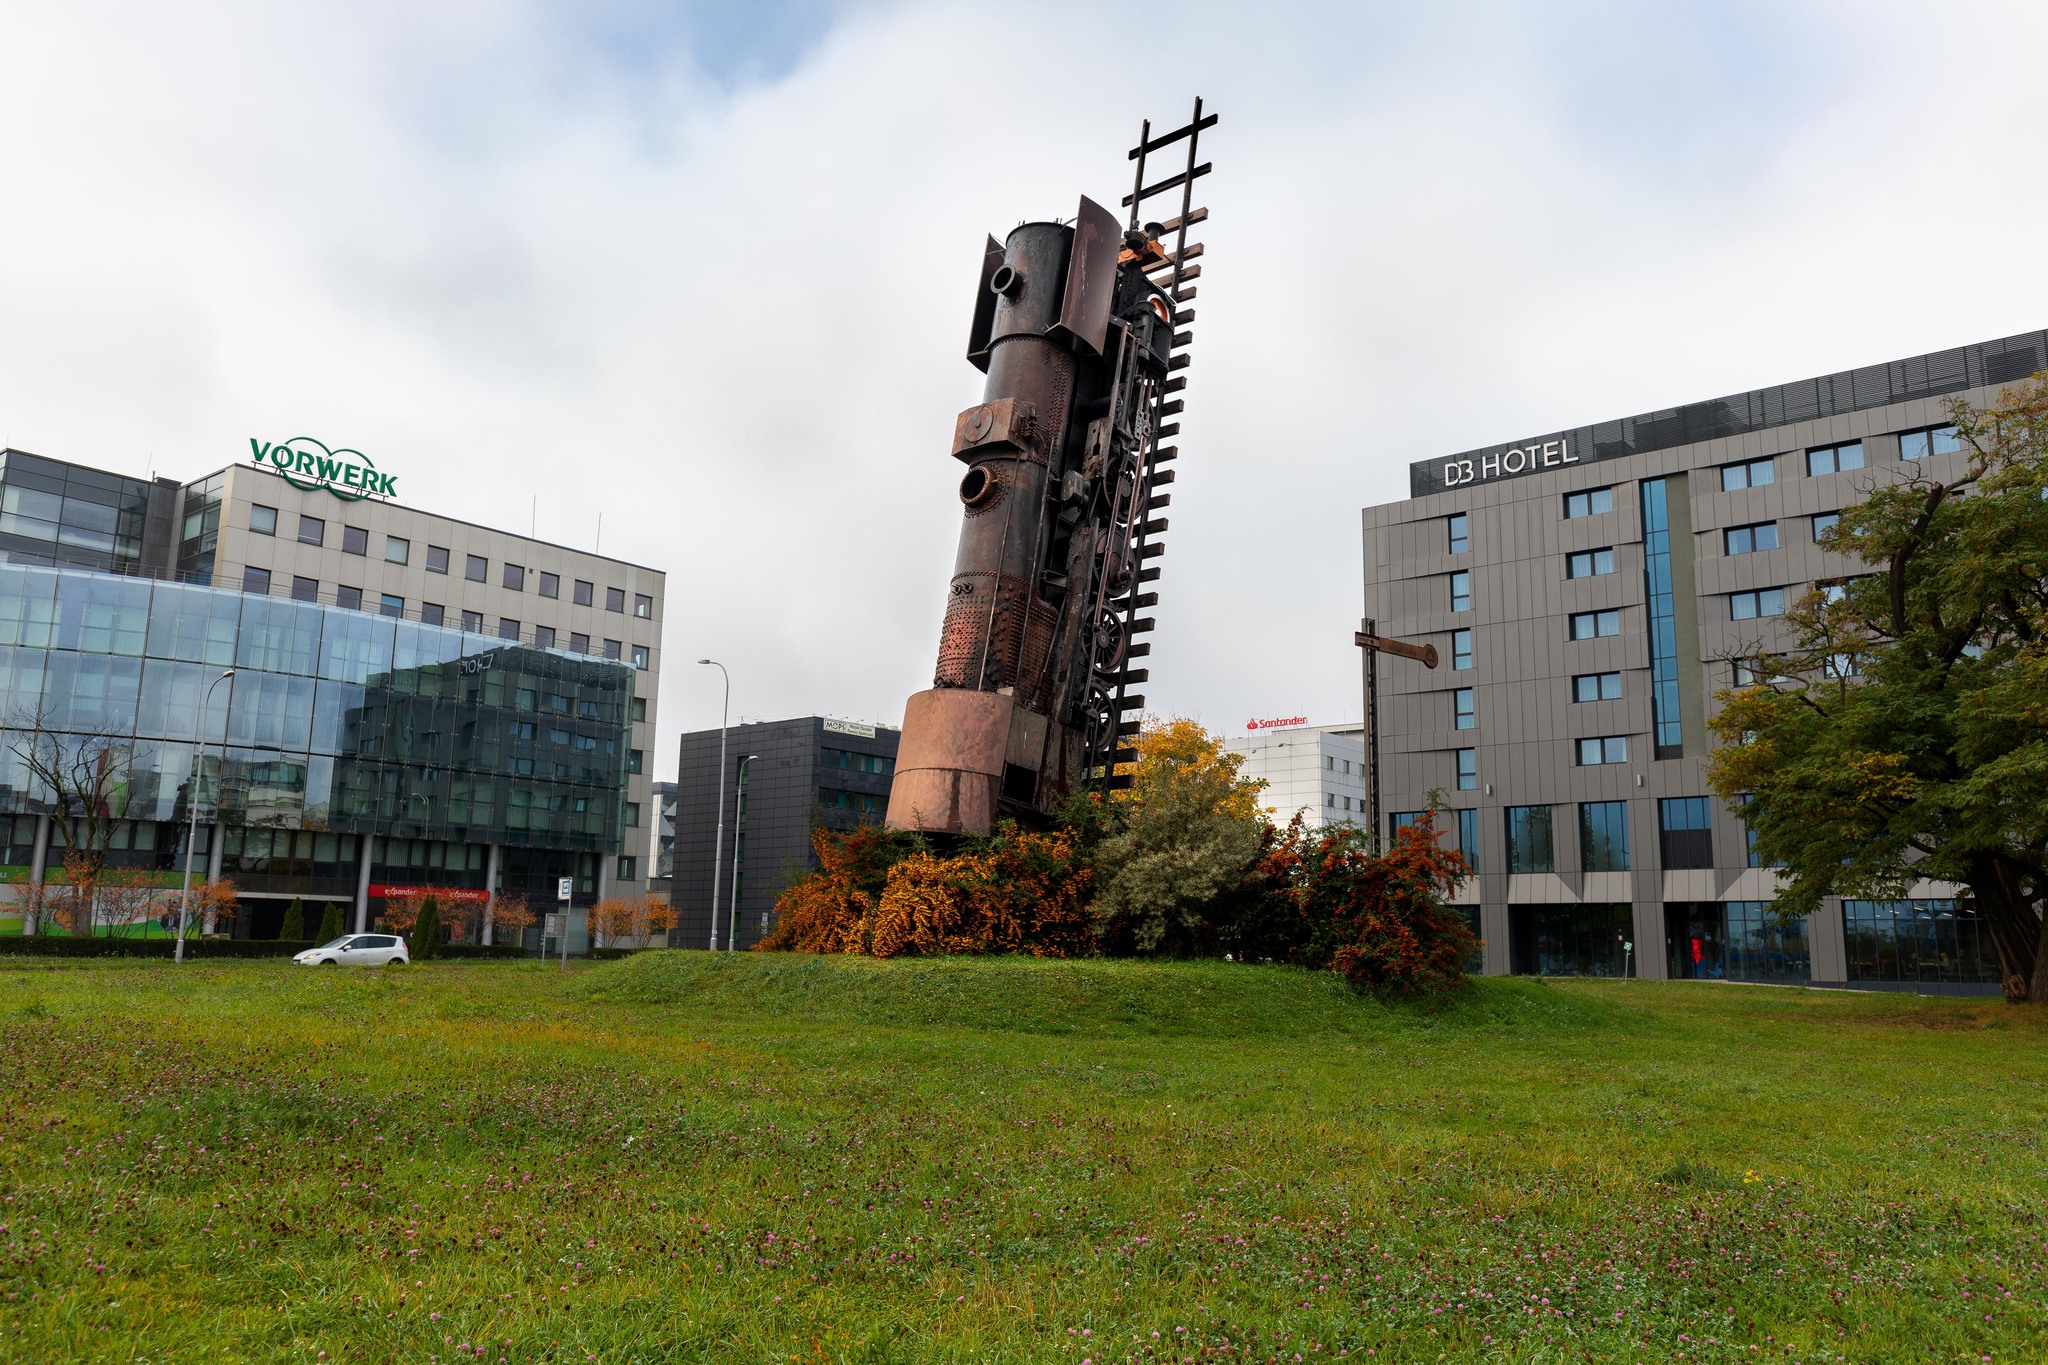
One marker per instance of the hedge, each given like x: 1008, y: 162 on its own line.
x: 55, y: 945
x: 493, y: 951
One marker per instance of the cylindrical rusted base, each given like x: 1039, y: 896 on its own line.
x: 949, y: 764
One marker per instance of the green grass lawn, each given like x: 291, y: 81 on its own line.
x: 677, y: 1157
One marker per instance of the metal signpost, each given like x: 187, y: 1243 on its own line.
x: 1374, y: 644
x: 563, y: 886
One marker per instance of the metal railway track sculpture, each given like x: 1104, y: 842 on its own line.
x: 1081, y: 330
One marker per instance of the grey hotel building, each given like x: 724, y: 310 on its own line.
x: 1589, y: 592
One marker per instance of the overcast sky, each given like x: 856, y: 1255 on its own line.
x: 707, y: 270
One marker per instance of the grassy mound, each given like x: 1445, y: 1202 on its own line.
x: 1032, y: 995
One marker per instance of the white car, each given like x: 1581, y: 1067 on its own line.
x: 358, y: 950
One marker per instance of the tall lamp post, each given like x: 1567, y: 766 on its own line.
x: 718, y: 839
x: 739, y: 793
x: 192, y: 805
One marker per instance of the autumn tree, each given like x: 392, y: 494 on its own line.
x: 85, y: 779
x: 401, y: 912
x: 211, y: 902
x: 1184, y: 833
x: 613, y: 918
x: 511, y: 917
x: 1905, y: 735
x: 657, y: 915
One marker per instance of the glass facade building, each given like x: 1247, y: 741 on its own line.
x: 341, y: 733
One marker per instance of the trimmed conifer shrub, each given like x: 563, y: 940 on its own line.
x: 294, y: 927
x: 330, y: 924
x: 426, y: 931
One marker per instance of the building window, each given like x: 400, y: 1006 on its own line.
x: 1747, y: 606
x: 1748, y: 474
x: 473, y: 621
x: 629, y: 869
x: 1330, y: 800
x: 1592, y: 502
x: 262, y: 520
x: 1918, y: 940
x: 389, y: 604
x: 1460, y: 532
x: 355, y: 540
x: 1400, y: 820
x: 1835, y: 459
x: 1468, y: 838
x: 476, y: 568
x: 1824, y: 522
x: 256, y: 580
x: 1596, y: 687
x: 312, y: 531
x: 1461, y: 650
x: 1529, y: 848
x: 1586, y: 563
x: 613, y: 649
x: 1605, y: 749
x: 635, y: 760
x: 1588, y: 625
x: 636, y: 709
x: 437, y: 559
x: 397, y: 550
x: 632, y: 815
x: 639, y: 656
x: 1918, y: 445
x: 544, y: 637
x: 579, y: 642
x: 1461, y: 590
x: 1661, y: 614
x: 1463, y: 716
x: 515, y: 577
x: 433, y: 613
x: 1743, y: 540
x: 1603, y: 836
x: 643, y: 606
x: 305, y: 589
x: 615, y: 599
x: 1329, y: 764
x: 508, y: 629
x: 352, y: 598
x: 584, y: 592
x: 1468, y: 770
x: 550, y: 584
x: 1685, y: 836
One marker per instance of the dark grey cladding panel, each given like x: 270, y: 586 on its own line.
x: 2005, y: 361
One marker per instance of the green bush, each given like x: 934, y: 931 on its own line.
x: 294, y: 927
x: 481, y: 951
x: 426, y: 931
x: 51, y: 945
x: 330, y: 924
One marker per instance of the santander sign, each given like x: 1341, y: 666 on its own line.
x: 1277, y: 723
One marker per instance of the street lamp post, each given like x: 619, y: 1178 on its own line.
x: 718, y: 839
x: 732, y: 920
x: 192, y: 806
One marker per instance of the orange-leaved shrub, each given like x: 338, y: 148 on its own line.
x: 1324, y: 898
x: 887, y: 895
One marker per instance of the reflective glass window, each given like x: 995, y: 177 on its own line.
x: 349, y: 598
x: 390, y: 605
x: 1529, y: 842
x: 312, y: 530
x: 1603, y: 836
x: 1587, y: 563
x: 643, y: 606
x: 1835, y: 459
x: 262, y: 520
x: 1464, y: 715
x: 355, y: 540
x: 255, y: 580
x: 614, y: 599
x: 1590, y: 502
x: 397, y: 550
x: 305, y: 589
x: 1596, y: 687
x: 1742, y: 540
x: 1468, y: 769
x: 1824, y: 522
x: 550, y: 584
x: 437, y: 559
x: 584, y: 592
x: 1588, y: 625
x: 1461, y: 649
x: 476, y: 568
x: 1747, y: 606
x: 1748, y: 474
x: 432, y: 613
x: 515, y: 577
x: 1458, y: 533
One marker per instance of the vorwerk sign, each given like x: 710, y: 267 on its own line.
x: 309, y: 464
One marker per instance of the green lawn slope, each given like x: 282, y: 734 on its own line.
x: 677, y: 1157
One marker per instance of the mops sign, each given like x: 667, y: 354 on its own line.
x: 306, y: 463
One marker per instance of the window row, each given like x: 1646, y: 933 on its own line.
x: 355, y: 540
x: 258, y: 582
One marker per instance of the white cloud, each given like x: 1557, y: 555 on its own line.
x: 729, y: 317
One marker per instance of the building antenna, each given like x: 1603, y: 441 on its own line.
x: 600, y: 534
x: 533, y: 524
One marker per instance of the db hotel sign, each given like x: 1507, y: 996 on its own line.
x: 1276, y: 723
x: 1519, y: 460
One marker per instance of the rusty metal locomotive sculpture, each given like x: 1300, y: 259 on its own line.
x: 1080, y: 328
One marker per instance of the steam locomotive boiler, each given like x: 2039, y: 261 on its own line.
x: 1079, y: 328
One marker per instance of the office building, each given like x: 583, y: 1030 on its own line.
x: 1316, y: 771
x: 782, y: 779
x: 418, y: 701
x: 1589, y: 592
